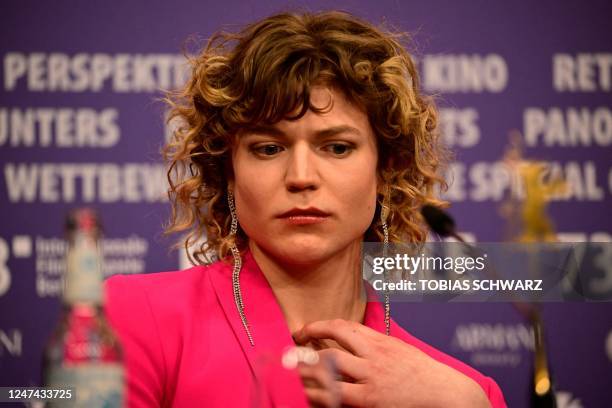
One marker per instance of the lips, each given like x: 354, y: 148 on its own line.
x: 306, y: 212
x: 304, y: 216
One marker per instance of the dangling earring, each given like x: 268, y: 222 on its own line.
x: 237, y: 266
x: 384, y: 214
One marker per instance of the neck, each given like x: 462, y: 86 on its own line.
x: 329, y: 289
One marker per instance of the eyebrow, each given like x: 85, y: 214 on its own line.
x: 319, y: 134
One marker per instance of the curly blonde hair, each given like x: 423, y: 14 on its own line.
x: 264, y: 74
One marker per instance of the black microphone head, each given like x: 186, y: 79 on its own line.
x: 439, y: 221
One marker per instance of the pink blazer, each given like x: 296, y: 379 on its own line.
x: 185, y: 345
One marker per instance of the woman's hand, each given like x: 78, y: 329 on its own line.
x: 318, y: 376
x: 382, y: 371
x: 320, y: 385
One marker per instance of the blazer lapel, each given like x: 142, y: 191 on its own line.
x: 268, y: 328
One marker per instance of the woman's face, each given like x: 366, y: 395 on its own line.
x: 305, y: 190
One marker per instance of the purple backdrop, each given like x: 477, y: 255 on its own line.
x: 93, y: 136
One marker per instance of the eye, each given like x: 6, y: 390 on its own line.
x: 267, y: 150
x: 339, y: 149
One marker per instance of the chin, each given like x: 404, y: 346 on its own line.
x: 305, y: 251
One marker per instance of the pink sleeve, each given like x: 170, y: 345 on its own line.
x: 488, y: 385
x: 494, y: 393
x: 130, y: 315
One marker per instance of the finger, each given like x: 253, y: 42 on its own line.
x: 352, y: 394
x: 351, y: 335
x: 345, y: 363
x: 317, y: 376
x: 322, y: 398
x: 314, y: 344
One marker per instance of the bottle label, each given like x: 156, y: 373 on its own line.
x: 83, y: 273
x: 95, y: 385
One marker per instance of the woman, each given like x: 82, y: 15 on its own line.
x: 295, y: 134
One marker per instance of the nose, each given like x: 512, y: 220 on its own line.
x: 302, y: 170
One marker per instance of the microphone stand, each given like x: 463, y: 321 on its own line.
x: 542, y: 393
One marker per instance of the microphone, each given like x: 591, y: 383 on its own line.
x: 440, y: 222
